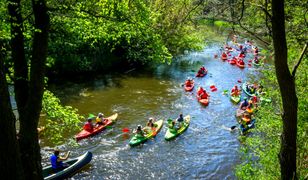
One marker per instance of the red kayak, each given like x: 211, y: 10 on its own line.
x: 85, y: 134
x: 232, y: 61
x: 189, y: 88
x: 204, y: 102
x: 240, y: 65
x: 201, y: 74
x: 224, y: 57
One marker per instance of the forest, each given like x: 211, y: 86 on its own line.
x: 46, y: 41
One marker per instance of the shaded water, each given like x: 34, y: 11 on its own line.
x: 205, y: 151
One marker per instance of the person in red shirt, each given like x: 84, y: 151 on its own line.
x: 235, y: 91
x: 224, y: 56
x: 189, y: 82
x: 202, y: 93
x: 88, y: 126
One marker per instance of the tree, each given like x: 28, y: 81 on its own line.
x: 24, y: 161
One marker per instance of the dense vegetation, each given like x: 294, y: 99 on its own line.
x: 99, y: 35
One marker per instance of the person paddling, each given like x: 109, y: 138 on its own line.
x: 57, y: 161
x: 235, y: 91
x: 88, y: 126
x: 100, y: 120
x: 244, y: 105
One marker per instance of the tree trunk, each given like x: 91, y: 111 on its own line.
x: 31, y: 158
x: 10, y: 163
x: 18, y: 56
x: 287, y: 155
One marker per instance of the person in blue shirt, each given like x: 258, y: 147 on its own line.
x: 56, y: 161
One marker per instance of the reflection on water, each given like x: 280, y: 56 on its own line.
x: 205, y: 151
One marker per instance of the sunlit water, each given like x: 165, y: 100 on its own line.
x: 207, y: 150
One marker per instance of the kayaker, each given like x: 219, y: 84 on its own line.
x: 256, y: 60
x: 241, y: 62
x: 189, y: 82
x: 202, y: 93
x: 88, y: 126
x: 150, y: 122
x: 224, y: 56
x: 57, y: 161
x: 235, y: 91
x: 139, y: 131
x: 244, y: 105
x: 256, y: 50
x: 201, y: 71
x: 100, y: 119
x: 180, y: 121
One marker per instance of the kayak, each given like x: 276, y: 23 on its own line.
x: 224, y: 58
x: 75, y: 165
x: 256, y: 64
x: 240, y: 65
x: 201, y: 74
x: 232, y: 61
x: 245, y: 90
x: 85, y: 134
x: 204, y: 102
x: 249, y: 126
x: 137, y: 139
x: 173, y: 133
x: 189, y: 88
x: 235, y: 99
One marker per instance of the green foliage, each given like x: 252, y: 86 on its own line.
x: 95, y: 35
x: 260, y: 153
x: 58, y: 121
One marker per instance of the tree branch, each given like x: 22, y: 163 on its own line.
x: 299, y: 60
x: 239, y: 22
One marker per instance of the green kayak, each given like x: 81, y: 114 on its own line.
x: 235, y: 99
x: 245, y: 90
x: 173, y: 133
x: 137, y: 139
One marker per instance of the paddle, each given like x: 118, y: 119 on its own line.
x: 125, y: 130
x: 233, y: 127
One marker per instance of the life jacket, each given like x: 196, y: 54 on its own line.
x: 204, y: 95
x: 235, y: 91
x: 200, y: 91
x: 88, y: 126
x: 247, y: 120
x: 188, y: 83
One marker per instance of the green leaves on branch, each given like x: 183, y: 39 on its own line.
x: 59, y: 121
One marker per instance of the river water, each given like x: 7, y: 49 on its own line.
x: 207, y: 150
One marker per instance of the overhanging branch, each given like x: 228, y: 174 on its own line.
x: 299, y: 60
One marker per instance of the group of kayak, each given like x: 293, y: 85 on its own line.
x: 249, y: 105
x: 141, y: 135
x: 175, y: 128
x: 239, y: 59
x: 202, y: 95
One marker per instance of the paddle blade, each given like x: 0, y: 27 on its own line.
x: 108, y: 127
x: 125, y: 130
x: 233, y: 127
x: 91, y: 116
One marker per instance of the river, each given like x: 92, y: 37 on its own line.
x: 207, y: 150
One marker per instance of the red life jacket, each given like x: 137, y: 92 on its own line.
x: 88, y: 126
